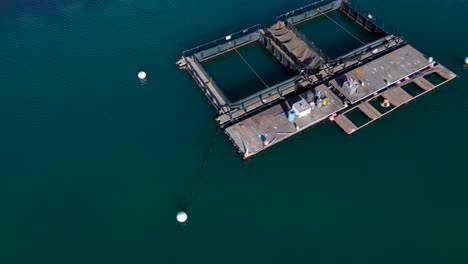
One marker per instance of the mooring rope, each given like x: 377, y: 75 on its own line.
x: 197, y: 180
x: 248, y: 64
x: 354, y: 36
x: 200, y: 173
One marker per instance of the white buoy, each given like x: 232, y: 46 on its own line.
x: 142, y: 75
x: 466, y: 60
x: 182, y: 217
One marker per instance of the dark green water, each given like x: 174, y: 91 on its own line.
x: 237, y: 79
x: 335, y: 41
x: 94, y: 165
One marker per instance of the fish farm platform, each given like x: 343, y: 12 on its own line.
x: 383, y: 72
x: 396, y: 97
x: 371, y: 79
x: 272, y: 125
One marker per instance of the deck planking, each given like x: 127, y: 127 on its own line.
x: 369, y: 110
x: 345, y: 124
x: 273, y: 124
x: 384, y: 71
x: 397, y: 96
x: 445, y: 73
x: 424, y: 84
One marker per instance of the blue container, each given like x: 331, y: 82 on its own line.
x: 291, y: 115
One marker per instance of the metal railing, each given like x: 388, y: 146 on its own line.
x: 381, y: 45
x: 222, y: 40
x: 276, y: 89
x: 385, y: 27
x: 359, y: 10
x: 304, y: 9
x: 214, y: 100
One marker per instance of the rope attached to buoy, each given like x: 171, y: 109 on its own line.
x: 202, y: 169
x: 182, y: 215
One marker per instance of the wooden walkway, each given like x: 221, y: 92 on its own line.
x: 445, y: 73
x: 396, y: 96
x: 236, y: 113
x: 344, y: 123
x: 423, y: 84
x: 273, y: 125
x: 381, y: 73
x: 369, y: 111
x: 213, y: 92
x: 366, y: 108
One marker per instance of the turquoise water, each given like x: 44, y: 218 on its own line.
x: 95, y: 165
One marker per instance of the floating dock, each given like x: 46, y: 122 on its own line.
x: 272, y: 125
x: 323, y: 87
x: 396, y: 97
